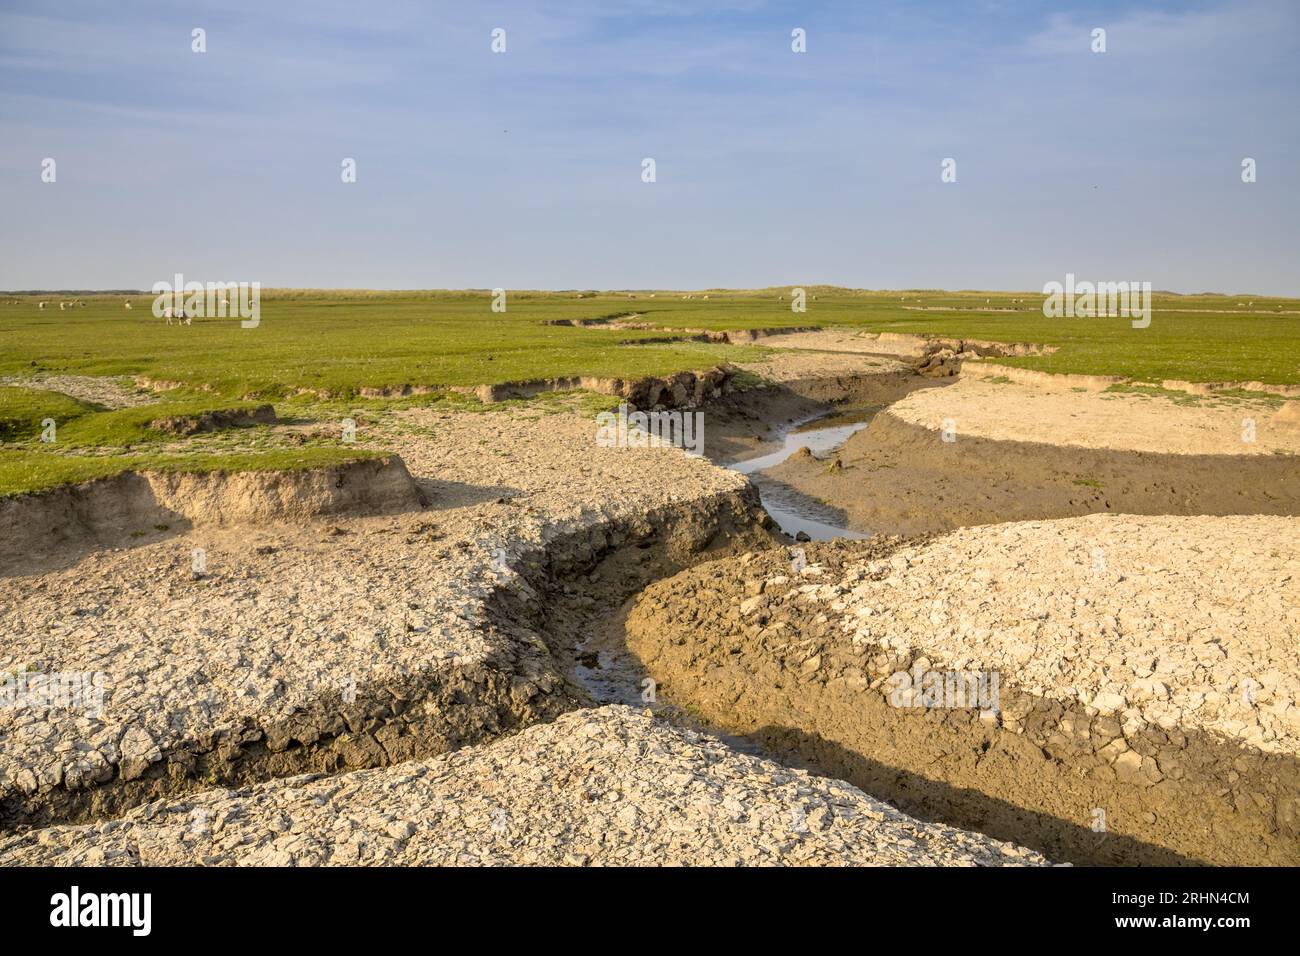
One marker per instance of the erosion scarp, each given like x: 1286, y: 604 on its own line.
x: 75, y: 519
x: 1144, y: 709
x: 607, y: 787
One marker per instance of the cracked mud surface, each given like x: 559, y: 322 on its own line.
x: 326, y: 646
x: 436, y: 663
x: 607, y: 787
x: 1159, y: 688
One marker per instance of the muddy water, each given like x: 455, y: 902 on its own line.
x: 794, y: 512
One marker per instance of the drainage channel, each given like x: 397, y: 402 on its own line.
x: 794, y: 513
x: 603, y: 666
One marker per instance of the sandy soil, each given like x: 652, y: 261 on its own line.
x: 608, y: 787
x: 845, y: 342
x: 1064, y: 416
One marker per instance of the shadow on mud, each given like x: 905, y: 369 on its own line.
x: 963, y: 807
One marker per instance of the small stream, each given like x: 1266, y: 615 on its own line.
x: 792, y: 511
x: 615, y: 675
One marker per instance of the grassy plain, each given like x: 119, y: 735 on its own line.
x: 341, y: 342
x: 314, y: 352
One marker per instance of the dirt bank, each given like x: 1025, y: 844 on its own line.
x: 77, y: 519
x: 215, y: 420
x: 1145, y: 712
x: 896, y: 477
x: 608, y: 787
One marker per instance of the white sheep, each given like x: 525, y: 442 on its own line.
x: 127, y: 304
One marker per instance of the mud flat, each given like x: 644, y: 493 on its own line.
x: 905, y: 345
x: 1147, y: 667
x: 1028, y: 451
x: 605, y: 787
x: 352, y: 642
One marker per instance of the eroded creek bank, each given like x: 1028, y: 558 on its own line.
x: 516, y: 668
x: 1074, y: 782
x: 556, y: 637
x: 756, y: 431
x: 735, y: 645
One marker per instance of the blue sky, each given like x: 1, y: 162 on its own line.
x: 523, y: 169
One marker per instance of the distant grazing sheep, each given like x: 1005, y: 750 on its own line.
x: 127, y: 304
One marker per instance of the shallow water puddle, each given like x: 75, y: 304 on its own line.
x: 792, y: 511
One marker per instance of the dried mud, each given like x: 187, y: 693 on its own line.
x: 1041, y: 772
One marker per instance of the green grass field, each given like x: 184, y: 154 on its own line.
x: 314, y: 351
x: 341, y: 342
